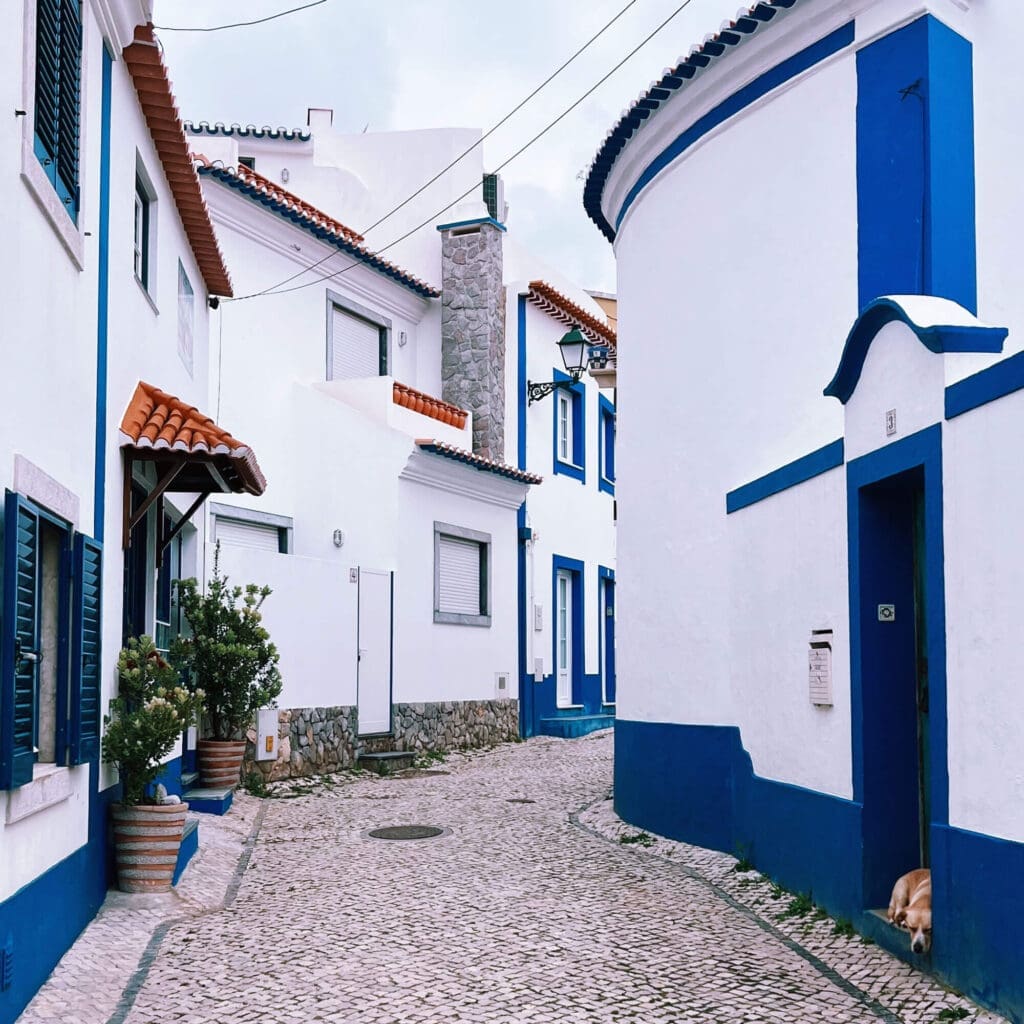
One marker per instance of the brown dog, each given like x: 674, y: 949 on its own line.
x: 911, y: 908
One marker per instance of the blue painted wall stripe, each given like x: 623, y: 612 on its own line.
x: 739, y: 100
x: 915, y: 165
x: 102, y: 307
x: 996, y: 381
x: 526, y: 722
x: 797, y: 472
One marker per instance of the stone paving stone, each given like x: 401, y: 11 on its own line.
x: 524, y: 912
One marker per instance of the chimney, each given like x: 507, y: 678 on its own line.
x: 473, y: 329
x: 319, y: 119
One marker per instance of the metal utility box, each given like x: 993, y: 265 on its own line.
x: 266, y: 734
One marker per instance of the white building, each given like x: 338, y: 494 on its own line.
x: 109, y: 260
x: 282, y: 200
x: 824, y: 191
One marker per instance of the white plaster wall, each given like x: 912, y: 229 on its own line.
x: 983, y: 507
x: 777, y: 593
x: 568, y: 517
x: 442, y: 661
x: 737, y: 286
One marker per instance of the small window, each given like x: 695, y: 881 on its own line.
x: 142, y: 213
x: 247, y: 161
x: 58, y: 94
x: 461, y: 576
x: 606, y: 445
x: 356, y: 347
x: 569, y: 451
x: 186, y: 317
x: 245, y: 528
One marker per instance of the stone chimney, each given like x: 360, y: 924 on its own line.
x: 473, y: 329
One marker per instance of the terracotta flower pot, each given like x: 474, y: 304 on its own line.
x: 220, y: 762
x: 146, y: 843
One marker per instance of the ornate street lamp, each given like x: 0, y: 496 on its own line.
x: 573, y: 347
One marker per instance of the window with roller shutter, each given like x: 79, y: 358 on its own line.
x: 462, y: 584
x: 356, y: 347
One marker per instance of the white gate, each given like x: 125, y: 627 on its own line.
x: 373, y: 672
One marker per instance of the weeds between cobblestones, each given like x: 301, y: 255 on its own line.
x: 522, y: 912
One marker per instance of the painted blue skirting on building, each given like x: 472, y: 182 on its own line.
x: 570, y: 727
x: 796, y: 472
x: 188, y: 849
x: 696, y: 783
x: 994, y: 382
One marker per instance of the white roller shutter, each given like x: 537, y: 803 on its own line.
x: 248, y: 535
x: 355, y: 347
x: 459, y: 576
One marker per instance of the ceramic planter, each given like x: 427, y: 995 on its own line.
x: 220, y: 762
x: 146, y: 843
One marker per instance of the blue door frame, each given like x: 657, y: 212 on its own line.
x: 882, y: 489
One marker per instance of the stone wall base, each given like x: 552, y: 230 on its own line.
x: 312, y: 741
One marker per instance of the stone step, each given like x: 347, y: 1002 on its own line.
x: 189, y: 779
x: 568, y: 727
x: 209, y: 799
x: 387, y: 761
x: 376, y: 744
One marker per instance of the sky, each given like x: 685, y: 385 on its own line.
x: 406, y: 64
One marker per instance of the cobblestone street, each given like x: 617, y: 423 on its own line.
x: 530, y: 909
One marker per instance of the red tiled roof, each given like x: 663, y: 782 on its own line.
x: 158, y: 421
x: 450, y: 451
x: 563, y: 309
x: 421, y: 402
x: 146, y: 66
x: 291, y: 207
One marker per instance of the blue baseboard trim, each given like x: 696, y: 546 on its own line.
x: 797, y: 472
x: 570, y: 727
x: 188, y: 849
x: 169, y: 777
x: 40, y: 921
x: 696, y: 783
x: 994, y: 382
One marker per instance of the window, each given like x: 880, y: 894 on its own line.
x: 186, y: 317
x: 462, y: 576
x: 142, y: 203
x: 357, y: 346
x: 245, y: 528
x: 569, y: 451
x: 606, y: 445
x: 50, y: 615
x: 247, y: 161
x: 58, y: 96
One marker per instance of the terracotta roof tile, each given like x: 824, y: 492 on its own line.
x: 146, y: 66
x: 161, y: 422
x: 566, y: 311
x: 289, y: 206
x: 421, y: 402
x: 450, y: 451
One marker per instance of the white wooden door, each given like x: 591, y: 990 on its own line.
x: 563, y: 637
x: 374, y: 641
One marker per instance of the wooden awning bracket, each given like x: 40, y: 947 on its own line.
x: 130, y: 520
x: 163, y: 541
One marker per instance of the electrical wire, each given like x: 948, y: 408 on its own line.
x: 469, y: 149
x: 430, y: 220
x: 239, y: 24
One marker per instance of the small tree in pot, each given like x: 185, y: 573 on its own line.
x: 148, y: 716
x: 231, y: 657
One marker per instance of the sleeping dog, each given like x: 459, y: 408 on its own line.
x: 911, y: 908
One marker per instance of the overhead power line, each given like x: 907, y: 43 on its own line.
x: 272, y: 290
x: 469, y: 149
x: 238, y: 24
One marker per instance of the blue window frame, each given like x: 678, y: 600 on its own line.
x: 605, y: 445
x: 58, y: 95
x: 569, y: 456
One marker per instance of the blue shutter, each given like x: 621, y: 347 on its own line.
x: 47, y: 85
x: 69, y: 103
x: 19, y: 642
x: 84, y: 697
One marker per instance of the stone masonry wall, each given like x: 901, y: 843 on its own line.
x: 473, y: 332
x: 312, y: 741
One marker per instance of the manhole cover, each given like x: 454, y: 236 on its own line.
x: 406, y: 832
x: 519, y: 800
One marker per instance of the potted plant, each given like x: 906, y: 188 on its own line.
x: 148, y: 716
x: 231, y: 657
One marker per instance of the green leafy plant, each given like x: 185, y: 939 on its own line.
x: 255, y: 784
x: 229, y: 653
x: 799, y: 906
x: 636, y: 839
x: 148, y: 716
x: 954, y: 1013
x: 844, y: 927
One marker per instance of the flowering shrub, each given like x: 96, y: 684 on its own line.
x: 149, y: 714
x: 229, y: 652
